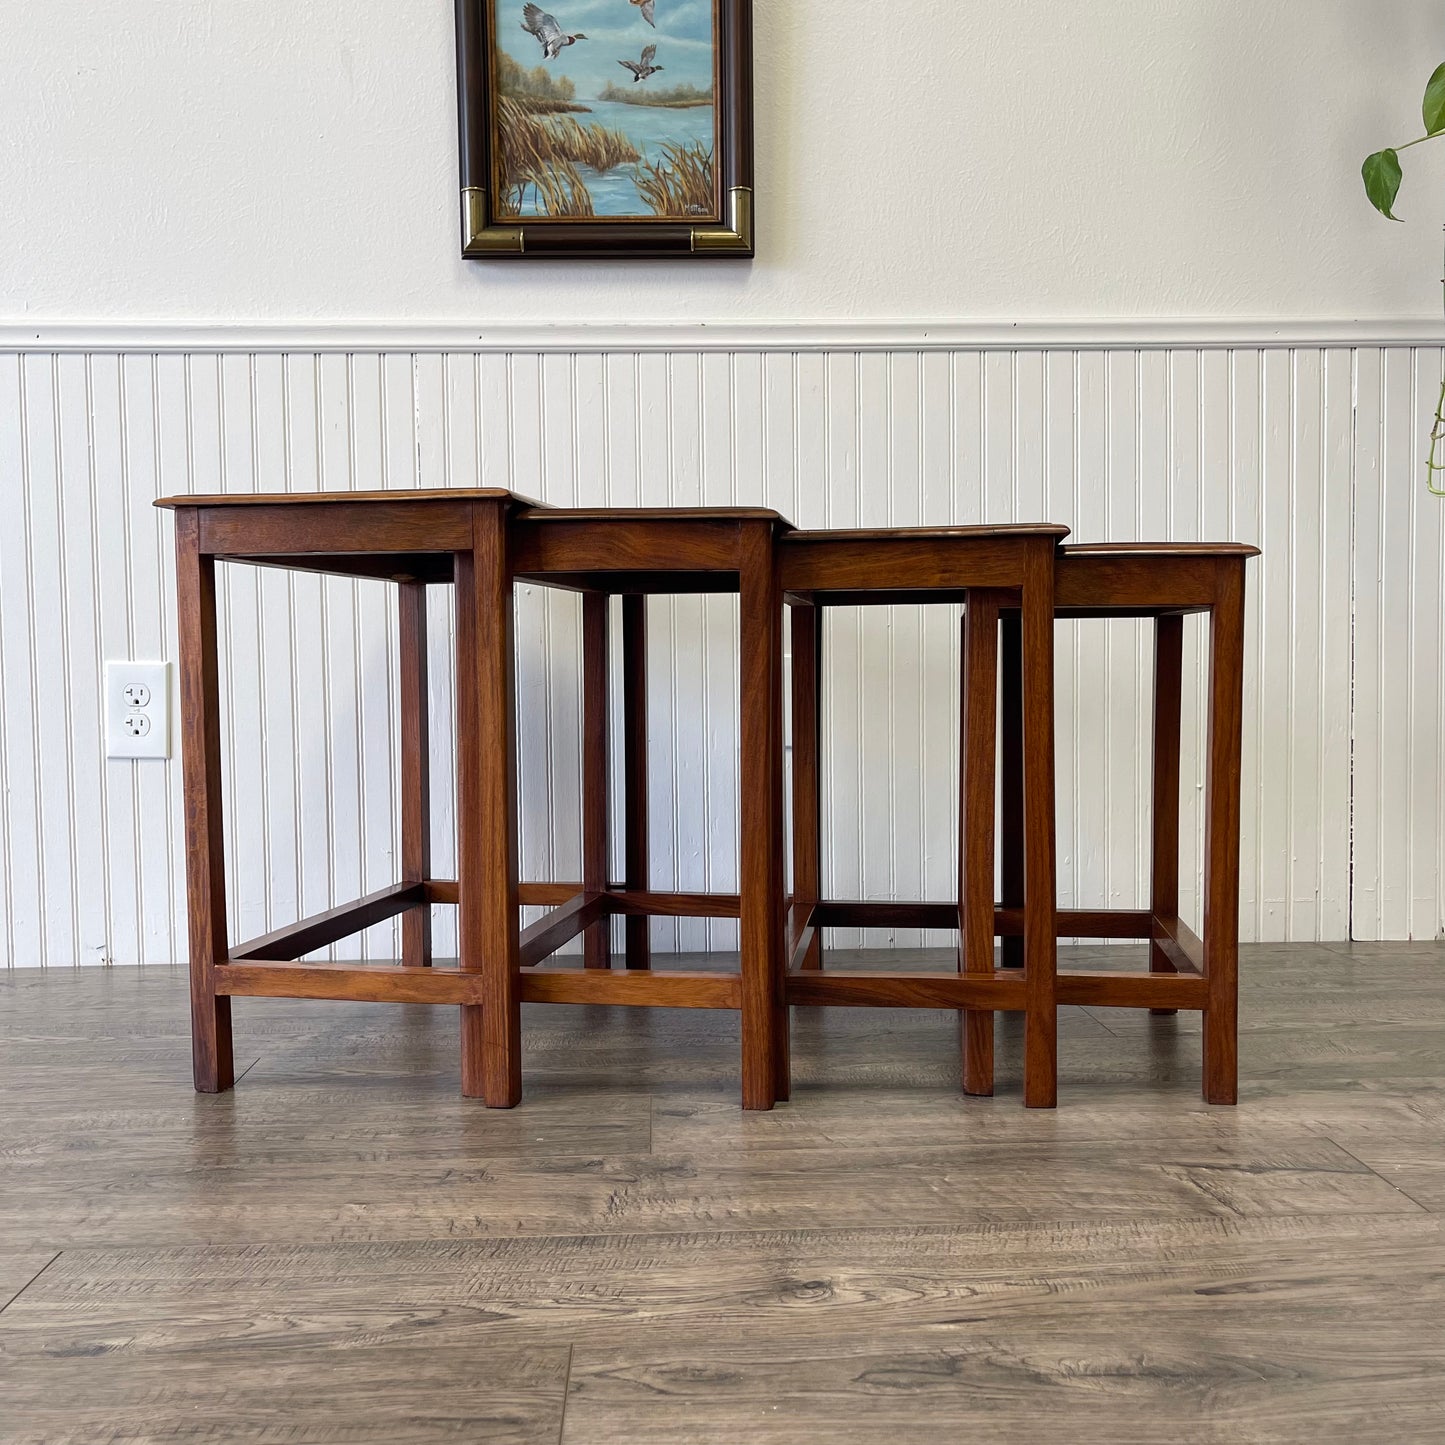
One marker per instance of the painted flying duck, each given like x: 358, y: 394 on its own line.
x: 550, y: 35
x: 643, y: 68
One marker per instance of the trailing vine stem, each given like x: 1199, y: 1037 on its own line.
x: 1382, y: 175
x: 1434, y: 463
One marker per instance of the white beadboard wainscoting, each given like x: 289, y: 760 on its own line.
x: 1307, y: 443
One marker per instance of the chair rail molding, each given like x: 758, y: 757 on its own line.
x: 1078, y: 333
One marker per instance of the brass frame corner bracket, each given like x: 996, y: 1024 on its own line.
x: 478, y: 237
x: 736, y: 237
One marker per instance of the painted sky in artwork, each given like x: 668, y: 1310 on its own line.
x: 616, y: 31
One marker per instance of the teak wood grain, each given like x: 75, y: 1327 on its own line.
x: 988, y: 567
x: 1221, y: 834
x: 634, y: 553
x: 544, y: 937
x: 1164, y: 822
x: 675, y: 989
x: 1134, y: 579
x: 634, y: 771
x: 334, y: 924
x: 1007, y: 922
x: 807, y: 651
x: 201, y: 782
x: 976, y: 827
x: 396, y: 526
x: 1165, y: 581
x: 652, y: 903
x: 1011, y: 774
x: 434, y: 567
x: 596, y: 769
x: 487, y: 813
x: 448, y: 890
x: 360, y: 983
x: 914, y: 565
x: 348, y: 500
x: 1040, y: 889
x: 592, y: 544
x: 416, y: 929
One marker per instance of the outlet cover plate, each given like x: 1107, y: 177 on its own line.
x: 154, y: 679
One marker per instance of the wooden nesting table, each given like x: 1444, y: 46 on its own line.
x: 1163, y: 582
x: 414, y: 539
x: 1013, y: 581
x: 987, y: 569
x: 636, y: 553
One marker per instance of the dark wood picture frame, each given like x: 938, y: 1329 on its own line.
x: 729, y: 233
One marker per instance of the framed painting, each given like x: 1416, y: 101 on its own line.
x: 609, y: 128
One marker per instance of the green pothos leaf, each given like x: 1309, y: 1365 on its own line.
x: 1433, y: 106
x: 1381, y: 174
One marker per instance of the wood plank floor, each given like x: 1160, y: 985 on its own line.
x: 343, y: 1249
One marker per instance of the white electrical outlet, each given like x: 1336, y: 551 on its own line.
x: 138, y: 709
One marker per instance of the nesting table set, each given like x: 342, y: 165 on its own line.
x: 1012, y: 582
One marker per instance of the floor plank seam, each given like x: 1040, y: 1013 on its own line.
x: 31, y: 1280
x: 1081, y: 1222
x: 1094, y: 1014
x: 566, y: 1392
x: 248, y: 1068
x: 822, y: 1233
x: 1424, y: 1207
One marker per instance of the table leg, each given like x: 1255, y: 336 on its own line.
x: 1164, y: 851
x: 597, y: 940
x: 634, y: 771
x: 1011, y: 766
x: 1040, y: 898
x: 807, y: 639
x: 979, y: 741
x: 211, y: 1053
x: 764, y: 1013
x: 416, y: 923
x: 1221, y: 835
x: 487, y: 814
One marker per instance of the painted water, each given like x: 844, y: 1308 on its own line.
x: 649, y: 128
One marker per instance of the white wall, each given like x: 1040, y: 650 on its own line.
x: 294, y: 166
x: 1008, y: 159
